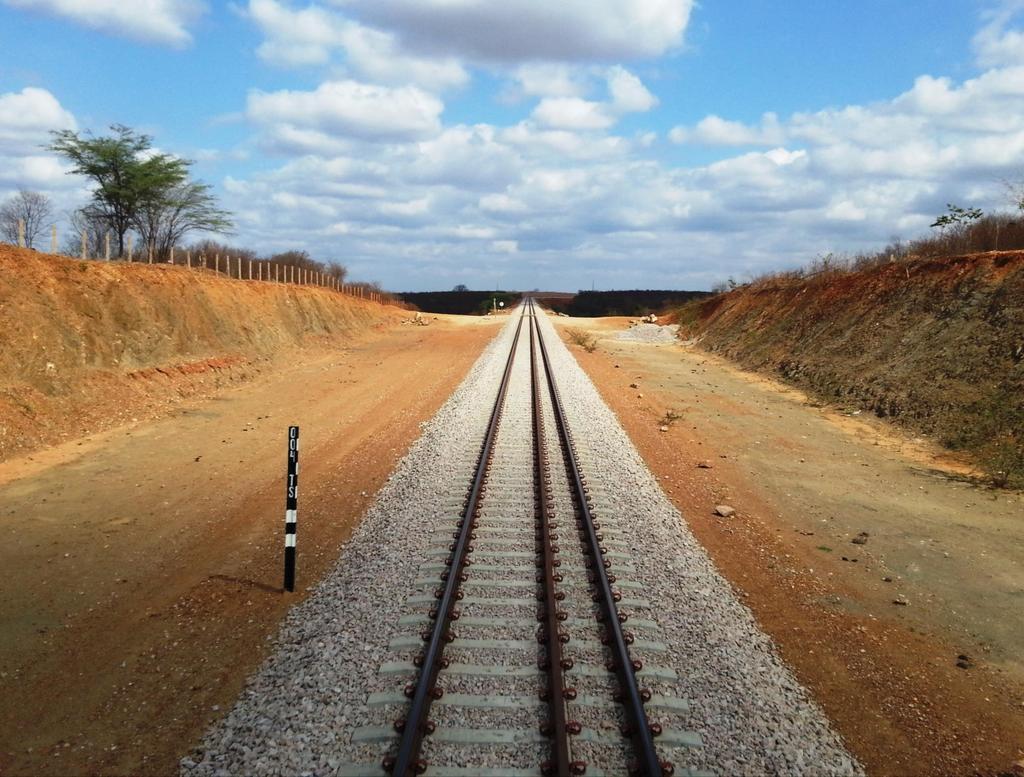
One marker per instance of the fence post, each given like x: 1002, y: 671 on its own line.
x: 172, y: 254
x: 131, y: 248
x: 188, y: 259
x: 21, y: 233
x: 106, y: 244
x: 239, y: 267
x: 291, y: 508
x: 85, y: 247
x: 53, y: 239
x: 216, y: 262
x: 202, y: 260
x: 151, y: 253
x: 250, y: 269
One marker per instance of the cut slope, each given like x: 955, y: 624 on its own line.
x: 936, y: 344
x: 87, y: 345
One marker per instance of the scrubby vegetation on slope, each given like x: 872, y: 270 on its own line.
x: 934, y: 343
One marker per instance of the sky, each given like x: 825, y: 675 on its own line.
x: 552, y: 144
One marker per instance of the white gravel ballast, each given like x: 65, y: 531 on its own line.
x: 334, y: 655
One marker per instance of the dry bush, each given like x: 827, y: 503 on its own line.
x: 994, y: 232
x: 583, y: 339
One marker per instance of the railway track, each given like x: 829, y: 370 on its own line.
x: 528, y: 649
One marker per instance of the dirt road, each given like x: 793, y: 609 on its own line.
x: 142, y: 567
x: 932, y: 686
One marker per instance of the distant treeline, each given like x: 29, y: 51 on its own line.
x: 637, y: 302
x: 459, y: 302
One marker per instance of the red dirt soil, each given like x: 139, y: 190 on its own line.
x: 90, y: 345
x: 141, y: 567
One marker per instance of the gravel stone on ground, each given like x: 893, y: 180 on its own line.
x: 650, y: 333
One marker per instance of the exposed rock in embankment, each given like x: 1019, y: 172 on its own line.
x: 89, y: 345
x: 935, y: 344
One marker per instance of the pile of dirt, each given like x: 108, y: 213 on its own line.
x: 934, y: 344
x: 90, y: 345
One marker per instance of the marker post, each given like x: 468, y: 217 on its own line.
x: 291, y: 505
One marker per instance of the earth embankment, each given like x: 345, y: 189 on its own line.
x: 936, y: 345
x: 89, y: 345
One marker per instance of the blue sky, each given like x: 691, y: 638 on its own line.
x: 624, y: 143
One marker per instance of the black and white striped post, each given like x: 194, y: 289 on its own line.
x: 291, y: 507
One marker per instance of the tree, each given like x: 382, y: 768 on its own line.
x: 141, y: 190
x: 957, y: 216
x: 302, y: 259
x: 95, y: 229
x: 168, y: 214
x: 30, y: 208
x: 1015, y: 193
x: 112, y: 163
x: 461, y: 287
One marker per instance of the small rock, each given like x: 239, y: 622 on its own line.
x: 724, y: 511
x: 861, y: 539
x: 704, y: 465
x: 963, y: 661
x: 633, y: 385
x: 663, y: 428
x: 886, y: 579
x: 901, y: 600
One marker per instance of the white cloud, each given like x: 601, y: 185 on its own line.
x: 26, y: 117
x: 506, y: 246
x: 156, y: 21
x: 313, y: 35
x: 349, y: 109
x: 295, y: 37
x: 550, y: 79
x: 572, y: 113
x: 531, y: 30
x: 715, y: 131
x: 501, y: 203
x: 558, y: 197
x: 994, y: 44
x: 628, y: 93
x: 471, y: 158
x: 562, y: 143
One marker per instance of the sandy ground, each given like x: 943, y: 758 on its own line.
x: 142, y: 567
x: 934, y: 686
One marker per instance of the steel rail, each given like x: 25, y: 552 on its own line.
x: 407, y: 762
x: 552, y: 636
x: 638, y: 728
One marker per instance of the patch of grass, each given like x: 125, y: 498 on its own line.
x: 825, y: 548
x: 583, y: 339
